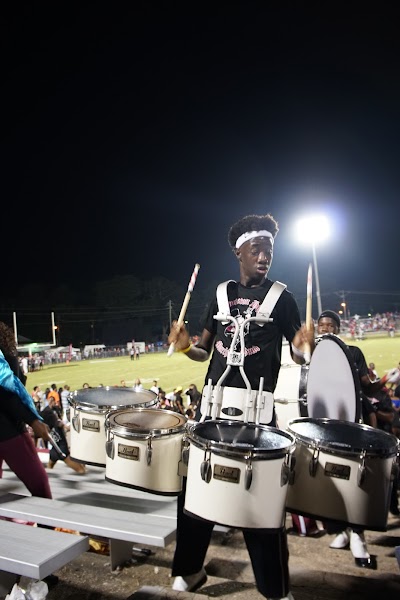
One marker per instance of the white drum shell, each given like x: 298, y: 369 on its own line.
x: 89, y: 409
x: 130, y: 433
x: 339, y: 499
x: 226, y: 503
x: 160, y: 477
x: 88, y: 445
x: 225, y: 499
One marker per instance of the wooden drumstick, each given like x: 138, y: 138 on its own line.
x: 307, y: 350
x: 185, y: 303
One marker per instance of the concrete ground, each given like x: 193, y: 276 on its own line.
x: 317, y: 572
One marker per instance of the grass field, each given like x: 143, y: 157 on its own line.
x: 176, y: 369
x: 169, y: 372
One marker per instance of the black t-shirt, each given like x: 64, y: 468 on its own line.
x: 263, y: 345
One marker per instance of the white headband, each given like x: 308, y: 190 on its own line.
x: 249, y: 235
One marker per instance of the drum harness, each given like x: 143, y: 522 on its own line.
x: 255, y: 400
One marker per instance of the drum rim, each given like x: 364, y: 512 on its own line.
x: 103, y: 408
x: 329, y: 447
x: 124, y: 432
x: 357, y: 386
x: 226, y: 450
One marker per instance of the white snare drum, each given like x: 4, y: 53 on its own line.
x: 89, y: 408
x: 333, y: 385
x: 343, y: 472
x: 290, y: 392
x: 143, y: 448
x: 230, y: 403
x: 238, y: 474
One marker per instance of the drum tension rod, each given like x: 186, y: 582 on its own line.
x: 361, y: 469
x: 314, y: 461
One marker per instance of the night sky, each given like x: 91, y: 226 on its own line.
x: 133, y: 139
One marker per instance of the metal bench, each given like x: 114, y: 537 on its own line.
x: 35, y: 552
x: 122, y: 526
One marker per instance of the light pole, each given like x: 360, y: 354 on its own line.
x: 313, y: 229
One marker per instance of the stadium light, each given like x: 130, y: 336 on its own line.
x: 312, y: 230
x: 343, y: 304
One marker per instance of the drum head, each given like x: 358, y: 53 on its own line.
x: 342, y: 438
x: 333, y: 386
x: 108, y: 398
x: 140, y: 422
x: 239, y: 438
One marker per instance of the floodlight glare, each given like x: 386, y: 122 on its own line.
x: 312, y: 230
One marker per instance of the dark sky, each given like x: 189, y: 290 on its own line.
x: 133, y: 138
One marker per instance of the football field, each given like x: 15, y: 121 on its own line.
x: 176, y: 370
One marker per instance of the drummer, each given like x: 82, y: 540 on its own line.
x: 252, y: 241
x: 329, y: 323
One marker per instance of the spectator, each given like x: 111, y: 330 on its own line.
x: 17, y: 410
x: 55, y: 394
x: 177, y: 402
x: 194, y: 399
x: 37, y: 396
x: 388, y: 419
x: 154, y: 388
x: 57, y: 431
x: 163, y: 401
x: 65, y: 393
x: 137, y: 387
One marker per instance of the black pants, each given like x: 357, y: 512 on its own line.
x: 268, y: 551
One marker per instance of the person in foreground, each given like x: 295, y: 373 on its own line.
x: 353, y: 538
x: 17, y: 410
x: 252, y: 240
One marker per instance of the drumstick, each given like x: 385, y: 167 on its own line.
x: 185, y: 303
x: 56, y: 447
x: 308, y: 311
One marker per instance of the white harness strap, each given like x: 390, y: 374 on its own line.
x: 266, y: 307
x: 240, y: 403
x: 270, y: 300
x: 222, y: 299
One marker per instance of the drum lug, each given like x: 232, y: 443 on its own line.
x: 287, y: 473
x: 205, y: 467
x: 149, y: 452
x: 185, y: 451
x: 361, y: 469
x: 110, y: 451
x: 312, y: 467
x: 248, y: 474
x: 76, y: 423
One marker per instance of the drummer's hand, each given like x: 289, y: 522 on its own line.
x: 40, y: 430
x: 179, y: 336
x: 304, y: 339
